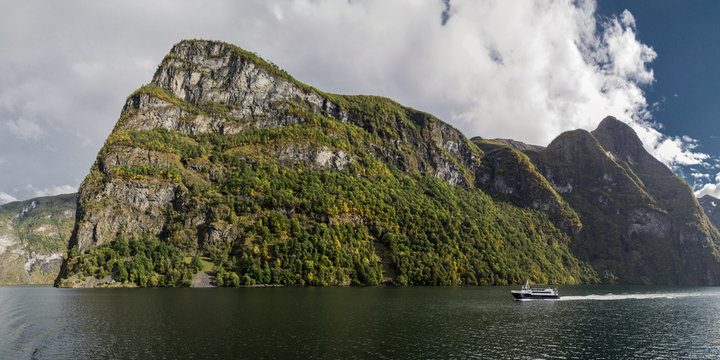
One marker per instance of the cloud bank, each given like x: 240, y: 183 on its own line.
x: 6, y: 198
x: 526, y: 70
x: 51, y: 191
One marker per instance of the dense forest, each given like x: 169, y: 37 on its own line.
x: 363, y: 225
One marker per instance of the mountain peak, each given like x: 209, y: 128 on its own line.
x: 622, y: 141
x: 612, y: 122
x: 189, y: 51
x: 573, y: 145
x: 618, y: 137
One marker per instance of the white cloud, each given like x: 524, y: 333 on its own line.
x: 515, y: 69
x: 53, y: 190
x: 712, y: 189
x: 23, y: 129
x: 277, y: 11
x: 522, y: 70
x: 673, y: 151
x: 627, y: 19
x: 6, y: 198
x: 625, y: 55
x: 698, y: 175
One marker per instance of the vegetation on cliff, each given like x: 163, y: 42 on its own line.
x: 225, y: 158
x: 33, y: 236
x: 364, y: 192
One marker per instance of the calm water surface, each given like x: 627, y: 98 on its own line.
x: 590, y: 322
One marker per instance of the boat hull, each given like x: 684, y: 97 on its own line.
x: 523, y: 296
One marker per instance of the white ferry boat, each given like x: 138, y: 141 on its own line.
x: 530, y: 293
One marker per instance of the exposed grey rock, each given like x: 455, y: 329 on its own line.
x: 316, y: 158
x: 649, y: 222
x: 27, y: 209
x: 124, y: 208
x: 562, y: 189
x: 7, y: 241
x: 48, y: 263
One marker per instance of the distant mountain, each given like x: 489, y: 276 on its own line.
x: 518, y: 145
x: 34, y: 236
x: 225, y: 170
x: 711, y: 206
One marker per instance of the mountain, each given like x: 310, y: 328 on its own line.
x: 710, y: 206
x: 509, y: 175
x: 641, y: 223
x: 224, y: 170
x: 224, y: 162
x: 34, y: 236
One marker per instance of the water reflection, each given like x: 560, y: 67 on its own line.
x: 645, y: 322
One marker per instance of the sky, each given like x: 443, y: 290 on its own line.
x: 526, y: 70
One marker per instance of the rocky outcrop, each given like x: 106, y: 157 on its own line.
x: 33, y: 237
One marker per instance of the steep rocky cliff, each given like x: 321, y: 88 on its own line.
x: 641, y: 223
x: 226, y: 157
x: 33, y: 237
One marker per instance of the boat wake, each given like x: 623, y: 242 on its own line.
x: 640, y: 296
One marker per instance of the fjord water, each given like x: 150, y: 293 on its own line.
x: 376, y: 322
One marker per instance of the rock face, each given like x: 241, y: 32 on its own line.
x: 33, y: 237
x: 641, y: 223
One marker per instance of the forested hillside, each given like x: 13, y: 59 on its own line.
x: 225, y: 165
x: 34, y: 236
x: 225, y: 157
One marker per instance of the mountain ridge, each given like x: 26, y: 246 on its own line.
x: 212, y: 122
x: 644, y: 224
x: 225, y: 162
